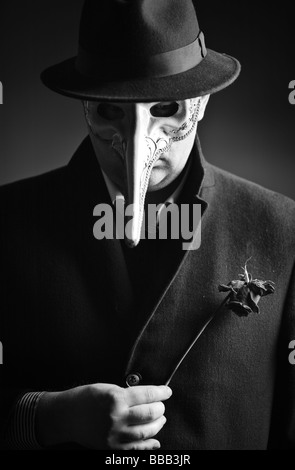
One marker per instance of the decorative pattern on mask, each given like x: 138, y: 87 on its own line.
x: 170, y: 129
x: 156, y: 149
x: 189, y: 125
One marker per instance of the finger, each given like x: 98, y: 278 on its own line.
x: 140, y: 432
x: 141, y: 414
x: 148, y: 444
x: 142, y: 394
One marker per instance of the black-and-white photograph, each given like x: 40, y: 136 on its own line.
x: 147, y: 228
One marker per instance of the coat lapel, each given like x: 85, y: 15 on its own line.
x: 180, y: 313
x: 177, y: 319
x: 102, y: 261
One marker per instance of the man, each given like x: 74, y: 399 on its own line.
x: 129, y: 344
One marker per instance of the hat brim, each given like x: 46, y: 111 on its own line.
x: 215, y: 72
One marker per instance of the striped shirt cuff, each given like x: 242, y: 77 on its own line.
x: 21, y: 431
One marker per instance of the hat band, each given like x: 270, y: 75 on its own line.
x: 158, y: 65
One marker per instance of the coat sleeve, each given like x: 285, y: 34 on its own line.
x: 8, y: 400
x: 18, y: 431
x: 282, y: 435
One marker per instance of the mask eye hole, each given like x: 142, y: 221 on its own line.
x: 164, y: 109
x: 109, y: 111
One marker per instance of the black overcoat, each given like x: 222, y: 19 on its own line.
x: 68, y: 315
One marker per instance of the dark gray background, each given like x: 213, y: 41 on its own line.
x: 248, y: 128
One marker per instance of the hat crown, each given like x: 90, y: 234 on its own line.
x: 135, y: 29
x: 141, y: 51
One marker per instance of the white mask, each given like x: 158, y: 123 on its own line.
x: 142, y: 146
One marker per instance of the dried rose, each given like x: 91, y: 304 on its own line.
x: 245, y: 293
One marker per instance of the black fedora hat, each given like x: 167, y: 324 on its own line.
x: 141, y: 50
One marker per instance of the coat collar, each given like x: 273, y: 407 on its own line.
x: 101, y: 261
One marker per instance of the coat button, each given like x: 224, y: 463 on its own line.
x: 133, y: 379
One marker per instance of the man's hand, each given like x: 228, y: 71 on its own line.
x: 101, y: 416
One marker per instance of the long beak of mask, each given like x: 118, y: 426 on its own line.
x: 141, y: 154
x: 136, y: 187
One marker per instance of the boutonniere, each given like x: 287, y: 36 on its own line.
x: 245, y: 293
